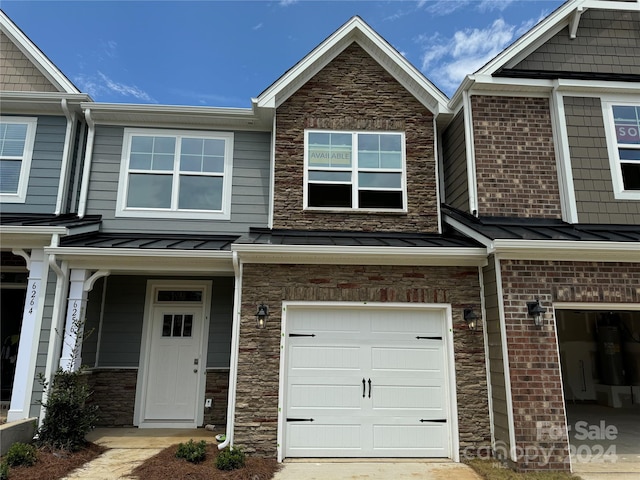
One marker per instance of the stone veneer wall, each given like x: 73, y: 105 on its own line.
x: 515, y: 157
x: 259, y: 350
x: 217, y: 389
x: 534, y: 363
x: 114, y: 391
x: 354, y: 92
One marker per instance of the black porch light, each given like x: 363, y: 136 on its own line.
x: 471, y: 318
x: 536, y: 311
x: 261, y: 316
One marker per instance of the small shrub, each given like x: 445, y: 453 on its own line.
x: 230, y: 459
x: 192, y: 452
x: 4, y: 471
x: 67, y: 418
x: 21, y: 454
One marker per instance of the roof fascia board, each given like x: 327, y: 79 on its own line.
x: 178, y: 116
x: 69, y: 252
x: 566, y: 250
x: 354, y: 30
x: 633, y: 6
x: 41, y: 103
x: 358, y: 255
x: 467, y: 231
x: 32, y: 230
x: 33, y: 53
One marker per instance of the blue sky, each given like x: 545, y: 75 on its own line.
x: 223, y: 53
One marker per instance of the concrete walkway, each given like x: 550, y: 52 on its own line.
x: 129, y: 447
x: 365, y: 470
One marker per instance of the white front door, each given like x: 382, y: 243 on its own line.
x: 174, y: 364
x: 366, y: 383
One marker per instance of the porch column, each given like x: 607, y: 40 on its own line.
x: 71, y: 358
x: 29, y: 336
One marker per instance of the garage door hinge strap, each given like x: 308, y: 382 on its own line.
x: 429, y: 338
x: 299, y: 419
x: 302, y: 334
x: 440, y: 420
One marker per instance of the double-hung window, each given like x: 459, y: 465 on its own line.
x: 176, y: 174
x: 17, y: 137
x: 623, y: 138
x: 355, y: 170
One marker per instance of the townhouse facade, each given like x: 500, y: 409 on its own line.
x: 356, y: 266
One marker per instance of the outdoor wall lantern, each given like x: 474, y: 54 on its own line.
x: 471, y: 318
x: 536, y: 311
x: 261, y: 316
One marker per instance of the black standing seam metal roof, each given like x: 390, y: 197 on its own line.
x: 38, y: 220
x: 151, y: 241
x: 263, y: 236
x: 514, y: 228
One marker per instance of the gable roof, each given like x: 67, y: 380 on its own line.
x: 355, y: 30
x: 567, y: 15
x: 36, y: 56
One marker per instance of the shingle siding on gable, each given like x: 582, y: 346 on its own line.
x: 354, y: 92
x: 250, y: 188
x: 515, y: 157
x: 17, y: 73
x: 46, y: 164
x: 455, y: 164
x: 591, y: 168
x: 607, y: 42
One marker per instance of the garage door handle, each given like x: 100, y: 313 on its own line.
x: 369, y: 388
x: 364, y: 387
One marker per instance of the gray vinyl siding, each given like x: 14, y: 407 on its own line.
x: 250, y: 188
x: 221, y: 319
x: 43, y: 344
x: 122, y: 321
x: 46, y: 163
x: 606, y: 42
x: 456, y: 185
x: 123, y: 316
x: 496, y: 365
x: 591, y: 170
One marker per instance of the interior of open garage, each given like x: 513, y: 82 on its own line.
x: 600, y: 361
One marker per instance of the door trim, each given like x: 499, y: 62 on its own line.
x: 145, y: 349
x: 449, y: 364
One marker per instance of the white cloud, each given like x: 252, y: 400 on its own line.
x: 446, y: 7
x: 446, y: 61
x: 99, y: 84
x: 257, y: 27
x: 286, y: 3
x: 110, y: 48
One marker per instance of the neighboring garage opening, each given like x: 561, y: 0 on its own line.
x: 600, y: 361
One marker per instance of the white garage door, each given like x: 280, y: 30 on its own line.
x: 366, y: 383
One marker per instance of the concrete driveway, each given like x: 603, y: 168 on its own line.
x: 366, y: 470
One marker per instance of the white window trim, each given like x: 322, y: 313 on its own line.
x: 121, y: 206
x: 354, y: 168
x: 25, y: 168
x: 619, y: 191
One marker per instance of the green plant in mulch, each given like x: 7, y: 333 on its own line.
x: 21, y: 454
x: 67, y: 418
x: 192, y: 452
x: 4, y: 471
x: 230, y: 459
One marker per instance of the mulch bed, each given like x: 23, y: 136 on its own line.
x: 55, y: 464
x: 166, y: 465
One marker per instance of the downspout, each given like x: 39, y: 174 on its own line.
x: 84, y: 190
x: 235, y: 345
x: 57, y: 318
x: 66, y: 157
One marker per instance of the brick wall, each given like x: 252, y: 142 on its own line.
x: 354, y: 92
x: 217, y: 389
x: 533, y: 353
x: 114, y: 391
x: 515, y: 159
x: 259, y: 350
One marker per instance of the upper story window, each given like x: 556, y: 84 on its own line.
x: 355, y: 170
x: 623, y: 138
x: 17, y: 136
x: 175, y: 174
